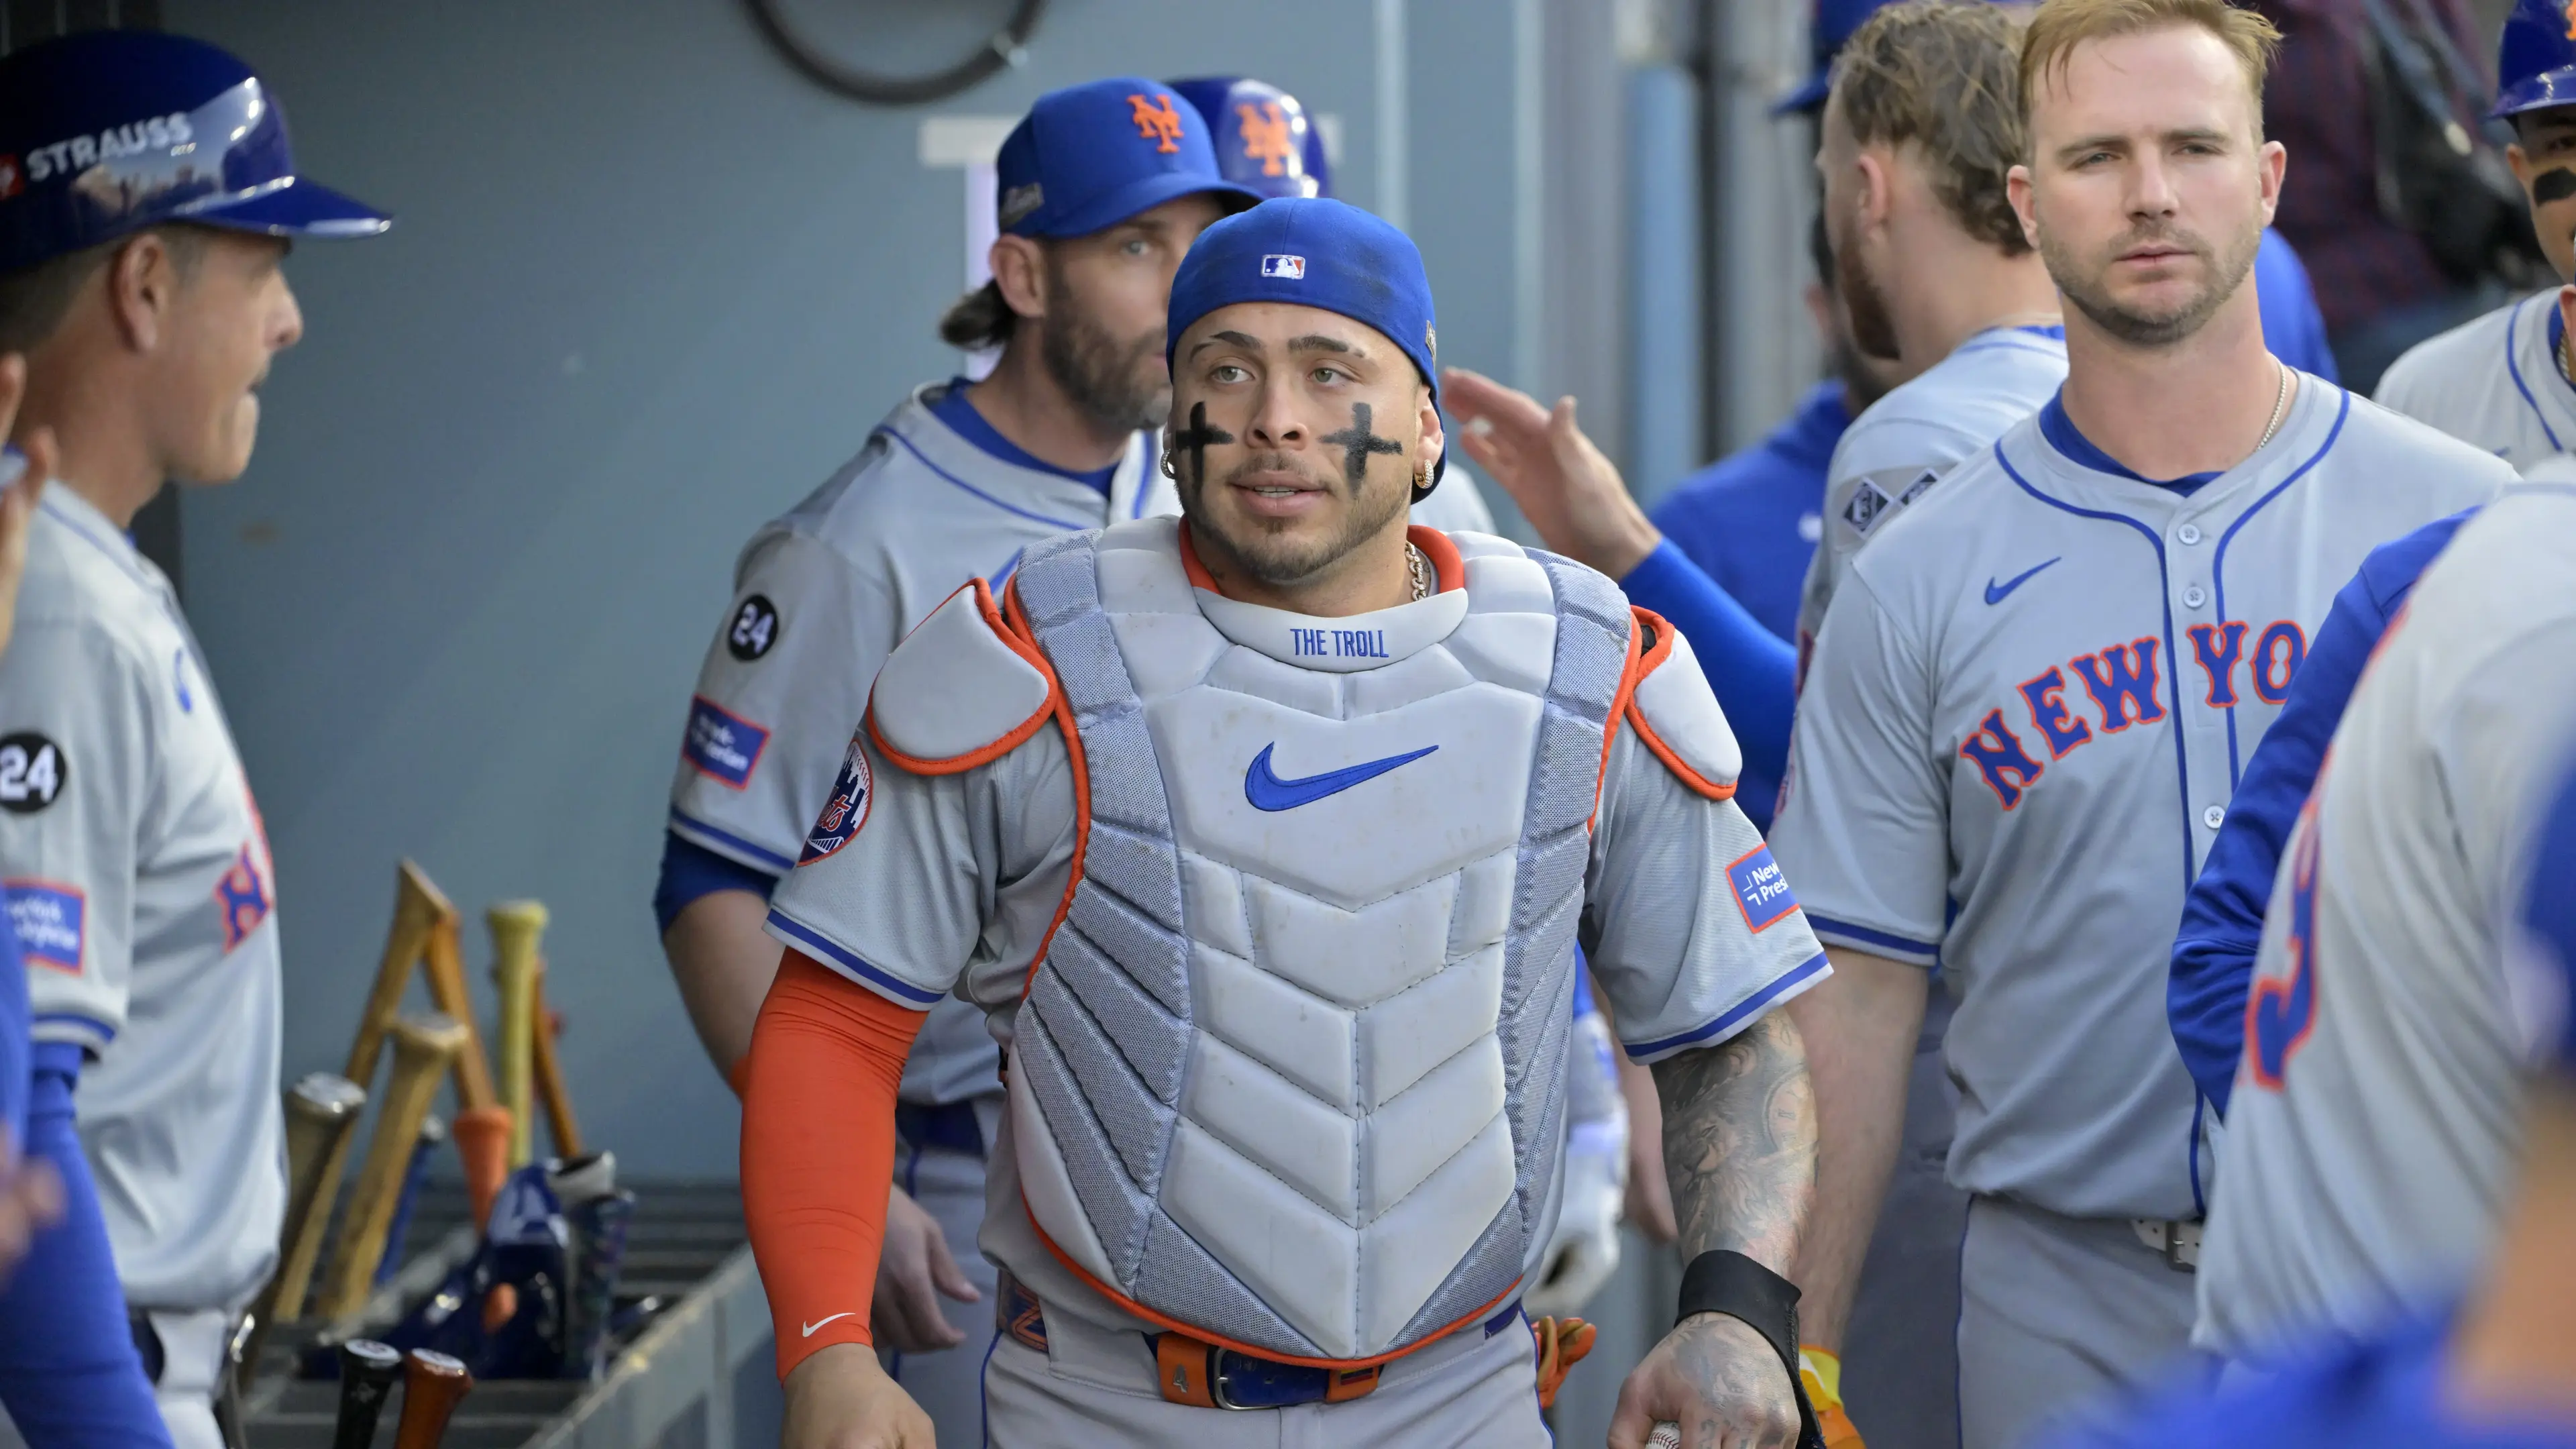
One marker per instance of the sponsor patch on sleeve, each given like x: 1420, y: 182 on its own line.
x: 846, y: 811
x: 51, y: 921
x: 721, y: 746
x: 1761, y: 891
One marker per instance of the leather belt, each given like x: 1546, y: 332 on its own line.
x: 2178, y: 1240
x: 1208, y: 1375
x: 1190, y: 1370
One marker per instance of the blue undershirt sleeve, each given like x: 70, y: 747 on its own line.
x: 2222, y: 918
x: 69, y: 1374
x: 1753, y: 671
x: 690, y: 871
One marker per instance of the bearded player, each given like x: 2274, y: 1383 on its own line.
x: 1101, y: 189
x: 1268, y: 840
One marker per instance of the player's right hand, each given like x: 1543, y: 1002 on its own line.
x: 841, y: 1399
x: 1570, y: 492
x: 913, y: 1271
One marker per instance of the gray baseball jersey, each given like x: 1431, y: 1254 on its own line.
x: 139, y: 880
x: 821, y: 595
x: 2026, y: 714
x: 1903, y: 443
x: 2492, y: 382
x: 2371, y: 1140
x: 955, y: 864
x: 825, y: 591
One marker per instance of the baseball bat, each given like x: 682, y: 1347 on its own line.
x: 482, y: 1128
x: 368, y: 1370
x: 321, y: 1116
x: 418, y: 908
x: 433, y: 1385
x: 446, y: 970
x: 483, y: 1144
x: 550, y: 1078
x: 423, y: 1048
x: 516, y: 929
x: 433, y: 1135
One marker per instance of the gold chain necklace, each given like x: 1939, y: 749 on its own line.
x: 2280, y: 402
x: 1420, y: 567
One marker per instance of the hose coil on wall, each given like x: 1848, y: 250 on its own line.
x: 1007, y: 47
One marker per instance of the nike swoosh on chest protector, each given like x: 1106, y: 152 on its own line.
x: 1995, y: 592
x: 1267, y: 791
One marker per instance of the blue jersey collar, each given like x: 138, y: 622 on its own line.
x: 2062, y: 434
x: 951, y: 406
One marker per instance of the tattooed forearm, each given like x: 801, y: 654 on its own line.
x: 1740, y: 1142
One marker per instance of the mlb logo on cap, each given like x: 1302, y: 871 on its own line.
x: 1275, y: 265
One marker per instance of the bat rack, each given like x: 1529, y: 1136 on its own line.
x: 696, y: 1371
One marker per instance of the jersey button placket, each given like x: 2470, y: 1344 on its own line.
x: 2214, y: 816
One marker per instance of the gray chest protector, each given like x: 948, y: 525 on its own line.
x: 1290, y: 1070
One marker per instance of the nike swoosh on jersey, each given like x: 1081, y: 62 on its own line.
x: 1995, y: 592
x: 1267, y: 791
x: 811, y: 1328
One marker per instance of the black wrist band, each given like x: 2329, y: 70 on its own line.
x: 1730, y: 1283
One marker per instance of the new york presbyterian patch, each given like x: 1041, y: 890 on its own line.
x: 51, y: 921
x: 722, y: 746
x: 1761, y: 892
x: 845, y: 811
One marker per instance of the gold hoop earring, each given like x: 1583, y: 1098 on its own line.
x: 1168, y: 470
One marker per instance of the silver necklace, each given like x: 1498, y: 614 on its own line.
x: 1420, y: 568
x: 2280, y: 401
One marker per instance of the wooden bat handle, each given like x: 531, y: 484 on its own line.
x: 446, y: 963
x: 551, y: 1089
x: 517, y: 927
x: 321, y: 1116
x: 433, y: 1385
x: 423, y: 1047
x: 418, y: 908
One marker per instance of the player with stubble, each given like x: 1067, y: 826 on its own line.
x: 2030, y: 703
x: 1205, y: 815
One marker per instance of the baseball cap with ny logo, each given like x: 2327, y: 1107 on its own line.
x: 1090, y: 156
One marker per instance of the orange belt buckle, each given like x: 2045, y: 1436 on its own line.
x: 1182, y: 1367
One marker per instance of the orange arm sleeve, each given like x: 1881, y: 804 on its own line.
x: 818, y: 1150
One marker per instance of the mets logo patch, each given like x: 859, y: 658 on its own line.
x: 1761, y: 892
x: 846, y: 811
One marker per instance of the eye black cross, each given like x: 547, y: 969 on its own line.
x: 1195, y: 438
x: 1357, y: 442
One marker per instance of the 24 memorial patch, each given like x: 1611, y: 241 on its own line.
x: 754, y: 630
x: 33, y: 771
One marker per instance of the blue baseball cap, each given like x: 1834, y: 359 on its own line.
x: 1090, y: 156
x: 2535, y: 59
x: 1313, y: 252
x: 1264, y: 139
x: 108, y: 132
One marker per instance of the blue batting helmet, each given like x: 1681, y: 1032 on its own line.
x: 110, y: 131
x: 2535, y: 59
x: 1264, y: 138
